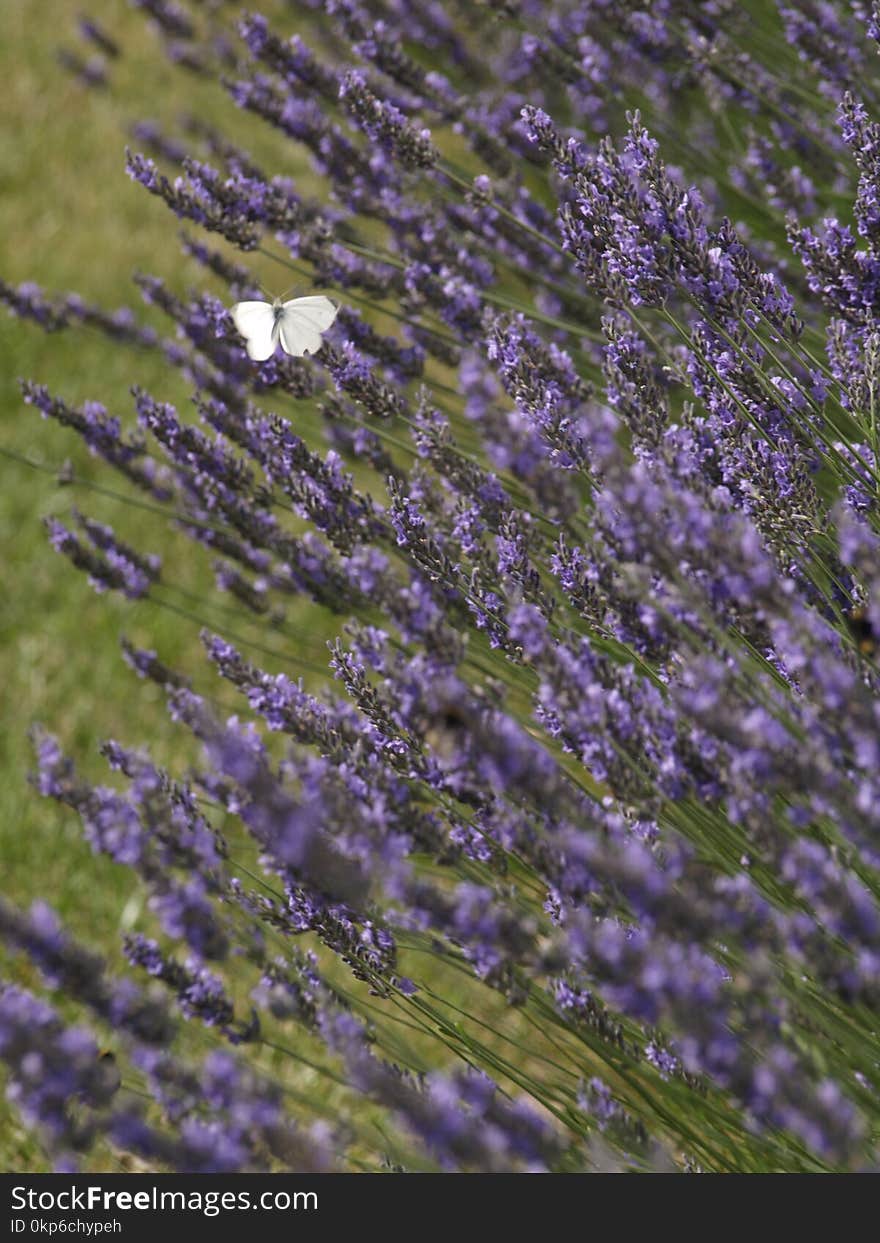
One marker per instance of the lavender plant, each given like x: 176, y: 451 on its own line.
x: 576, y: 867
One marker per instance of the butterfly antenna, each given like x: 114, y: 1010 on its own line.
x: 270, y: 296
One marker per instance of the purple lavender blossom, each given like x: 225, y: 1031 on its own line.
x: 386, y: 124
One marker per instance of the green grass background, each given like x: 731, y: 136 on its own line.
x: 70, y: 219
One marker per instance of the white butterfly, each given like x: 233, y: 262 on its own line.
x: 297, y: 324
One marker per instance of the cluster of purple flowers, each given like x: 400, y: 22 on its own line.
x: 581, y: 867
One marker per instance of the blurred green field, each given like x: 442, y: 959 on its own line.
x: 70, y: 220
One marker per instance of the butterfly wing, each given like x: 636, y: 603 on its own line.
x: 320, y: 311
x: 302, y: 322
x: 256, y: 323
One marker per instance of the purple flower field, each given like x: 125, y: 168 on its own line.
x: 564, y: 855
